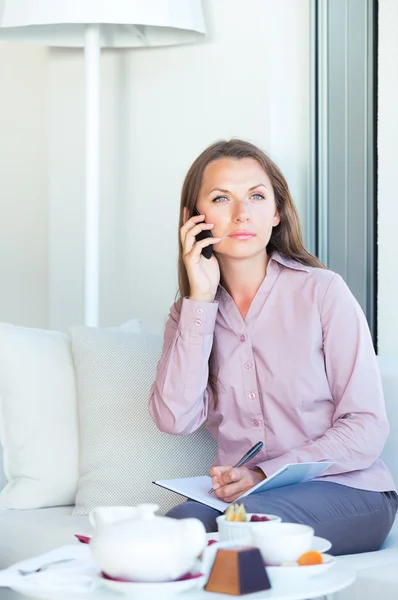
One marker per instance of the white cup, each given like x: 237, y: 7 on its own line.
x: 282, y: 542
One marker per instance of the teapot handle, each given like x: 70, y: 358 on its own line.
x: 93, y: 518
x: 195, y: 532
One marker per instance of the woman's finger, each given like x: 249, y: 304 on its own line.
x: 188, y: 225
x: 233, y: 475
x: 198, y: 246
x: 220, y: 469
x: 194, y: 231
x: 228, y: 476
x: 216, y: 473
x: 231, y: 490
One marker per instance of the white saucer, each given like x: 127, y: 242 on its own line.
x: 152, y: 590
x: 283, y: 573
x: 319, y: 544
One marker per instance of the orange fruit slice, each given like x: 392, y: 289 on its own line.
x: 310, y: 558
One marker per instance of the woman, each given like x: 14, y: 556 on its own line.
x: 266, y: 344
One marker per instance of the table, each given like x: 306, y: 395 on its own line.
x: 378, y: 582
x: 334, y: 580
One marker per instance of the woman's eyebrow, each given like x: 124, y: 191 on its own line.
x: 256, y: 186
x: 219, y: 190
x: 227, y: 191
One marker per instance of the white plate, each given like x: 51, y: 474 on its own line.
x: 280, y: 574
x: 152, y: 590
x: 319, y: 544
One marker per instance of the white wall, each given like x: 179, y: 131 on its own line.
x: 161, y: 107
x: 388, y: 161
x: 23, y: 186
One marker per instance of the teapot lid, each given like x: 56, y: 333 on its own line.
x: 147, y: 511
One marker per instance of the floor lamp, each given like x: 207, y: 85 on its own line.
x: 94, y: 25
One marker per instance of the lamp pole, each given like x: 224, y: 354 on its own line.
x: 92, y: 212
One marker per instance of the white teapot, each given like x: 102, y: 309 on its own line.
x: 130, y: 542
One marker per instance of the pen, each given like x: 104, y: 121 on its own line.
x: 252, y: 452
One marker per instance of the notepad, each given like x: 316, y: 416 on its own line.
x: 197, y: 488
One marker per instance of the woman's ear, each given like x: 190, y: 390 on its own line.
x: 276, y: 219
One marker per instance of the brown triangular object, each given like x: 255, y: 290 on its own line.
x: 238, y: 571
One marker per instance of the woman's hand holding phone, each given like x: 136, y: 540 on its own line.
x: 203, y: 273
x: 207, y: 251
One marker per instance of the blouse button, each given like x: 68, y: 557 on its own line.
x: 199, y: 311
x: 252, y: 395
x: 242, y: 338
x: 198, y: 322
x: 248, y: 365
x: 256, y: 423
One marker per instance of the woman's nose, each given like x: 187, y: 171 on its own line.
x: 241, y: 212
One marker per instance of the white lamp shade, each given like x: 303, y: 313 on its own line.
x: 123, y: 23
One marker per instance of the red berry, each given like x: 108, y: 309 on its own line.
x: 255, y: 518
x: 264, y: 519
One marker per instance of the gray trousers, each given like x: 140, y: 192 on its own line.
x: 353, y: 520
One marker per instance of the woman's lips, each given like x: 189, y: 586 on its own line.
x: 242, y: 235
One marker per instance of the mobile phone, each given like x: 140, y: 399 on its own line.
x: 208, y: 251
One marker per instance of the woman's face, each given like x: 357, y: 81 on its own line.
x: 237, y: 196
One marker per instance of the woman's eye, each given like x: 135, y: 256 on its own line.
x: 258, y: 196
x: 220, y: 199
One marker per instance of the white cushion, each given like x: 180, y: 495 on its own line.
x: 121, y: 450
x: 38, y: 418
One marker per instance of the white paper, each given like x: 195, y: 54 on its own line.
x: 197, y: 488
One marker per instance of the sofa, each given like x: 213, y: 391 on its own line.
x: 28, y: 532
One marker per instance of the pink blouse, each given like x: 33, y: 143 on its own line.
x: 299, y: 373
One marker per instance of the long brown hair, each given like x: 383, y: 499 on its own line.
x: 286, y: 237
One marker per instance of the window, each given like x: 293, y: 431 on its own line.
x: 344, y: 154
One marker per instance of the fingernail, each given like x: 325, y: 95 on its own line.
x: 216, y: 486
